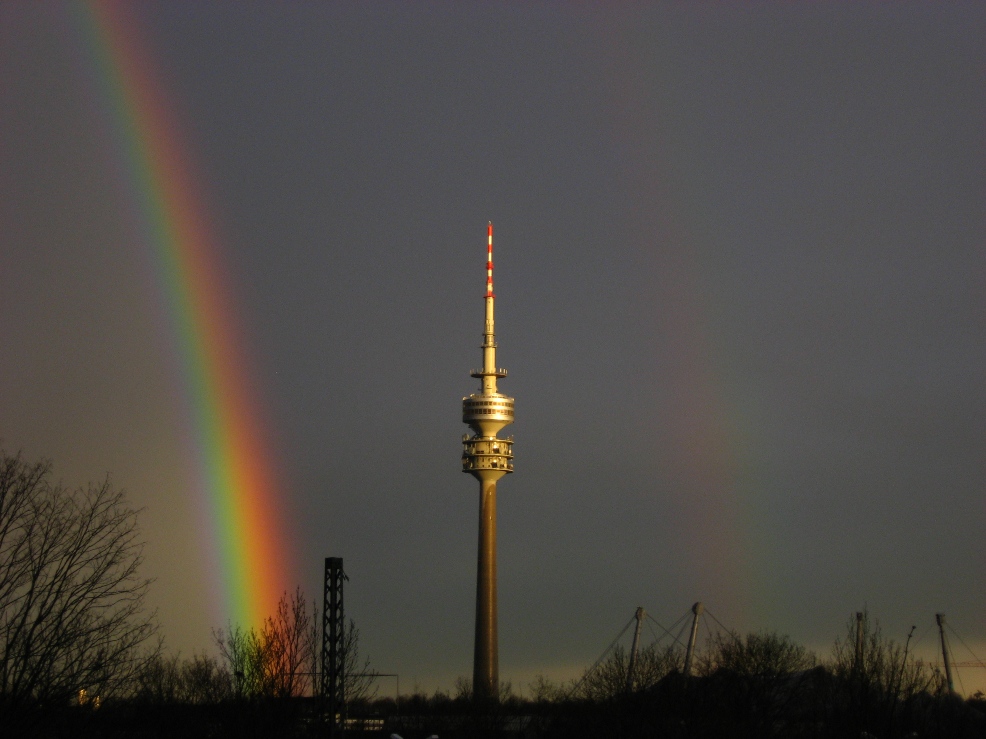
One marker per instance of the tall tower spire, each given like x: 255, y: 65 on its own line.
x: 487, y: 458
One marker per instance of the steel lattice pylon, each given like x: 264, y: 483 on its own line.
x: 333, y: 687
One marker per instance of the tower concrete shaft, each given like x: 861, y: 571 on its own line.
x: 485, y: 660
x: 487, y: 457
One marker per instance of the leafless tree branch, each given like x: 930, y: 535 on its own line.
x: 72, y: 610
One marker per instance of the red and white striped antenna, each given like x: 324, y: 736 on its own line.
x: 489, y: 261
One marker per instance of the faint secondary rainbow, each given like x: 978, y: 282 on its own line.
x: 248, y: 545
x: 710, y: 441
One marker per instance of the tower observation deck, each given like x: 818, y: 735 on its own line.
x: 487, y: 457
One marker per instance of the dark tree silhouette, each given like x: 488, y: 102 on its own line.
x: 72, y: 614
x: 609, y: 678
x: 878, y: 681
x: 758, y: 682
x: 169, y: 680
x: 281, y: 659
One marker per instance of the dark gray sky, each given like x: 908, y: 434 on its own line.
x: 740, y: 277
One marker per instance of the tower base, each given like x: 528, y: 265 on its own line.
x: 485, y: 676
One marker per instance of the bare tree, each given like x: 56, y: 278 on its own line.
x: 281, y: 659
x: 278, y: 660
x: 878, y: 678
x: 200, y: 680
x: 765, y: 656
x: 205, y: 681
x: 290, y: 643
x: 759, y: 681
x: 543, y: 690
x: 72, y: 613
x: 160, y: 680
x: 608, y: 679
x: 245, y: 658
x: 360, y: 678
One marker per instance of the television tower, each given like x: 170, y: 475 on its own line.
x: 487, y: 458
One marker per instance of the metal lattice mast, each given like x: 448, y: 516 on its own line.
x: 488, y: 458
x: 333, y: 688
x: 690, y: 651
x: 635, y: 648
x: 946, y: 656
x: 857, y: 665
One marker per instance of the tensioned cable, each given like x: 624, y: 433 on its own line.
x: 668, y: 633
x: 601, y: 657
x: 708, y: 626
x: 681, y: 631
x: 684, y: 628
x: 958, y: 674
x: 657, y: 639
x: 720, y: 624
x: 979, y: 661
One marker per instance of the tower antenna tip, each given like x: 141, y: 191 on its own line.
x: 489, y: 261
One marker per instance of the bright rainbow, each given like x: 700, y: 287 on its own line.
x: 234, y: 475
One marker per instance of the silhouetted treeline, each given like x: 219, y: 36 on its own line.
x: 77, y: 659
x: 761, y: 686
x: 752, y: 686
x: 757, y: 685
